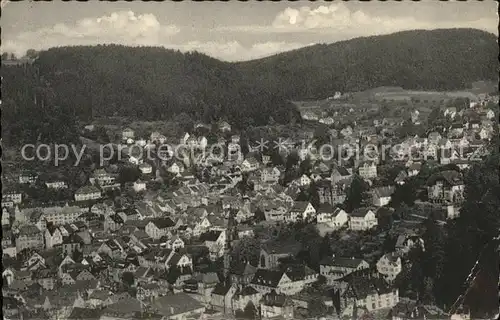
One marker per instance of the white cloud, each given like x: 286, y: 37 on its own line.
x: 338, y: 17
x: 127, y: 28
x: 234, y: 51
x: 124, y: 27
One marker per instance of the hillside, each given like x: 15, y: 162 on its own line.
x: 154, y: 83
x: 444, y: 59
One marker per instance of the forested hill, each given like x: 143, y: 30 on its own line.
x: 441, y: 59
x: 155, y: 83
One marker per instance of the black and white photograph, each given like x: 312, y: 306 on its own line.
x: 250, y: 160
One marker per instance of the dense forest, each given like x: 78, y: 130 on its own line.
x: 443, y: 59
x: 154, y: 83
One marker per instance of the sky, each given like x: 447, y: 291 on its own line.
x: 231, y: 31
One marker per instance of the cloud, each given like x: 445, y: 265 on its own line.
x: 123, y: 27
x: 235, y: 51
x: 127, y: 28
x: 337, y: 19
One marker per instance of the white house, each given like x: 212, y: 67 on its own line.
x: 87, y: 193
x: 368, y: 170
x: 382, y: 195
x: 250, y: 164
x: 389, y: 265
x: 139, y: 185
x: 333, y: 217
x: 362, y: 219
x: 304, y: 181
x: 334, y: 268
x: 128, y: 133
x: 301, y: 210
x: 145, y: 168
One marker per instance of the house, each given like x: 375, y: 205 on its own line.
x: 177, y: 306
x: 272, y: 252
x: 15, y: 197
x: 332, y: 193
x: 362, y: 219
x: 202, y: 283
x: 401, y: 178
x: 389, y: 265
x: 29, y: 237
x: 368, y: 170
x: 53, y: 237
x: 175, y: 243
x: 327, y: 120
x: 215, y: 241
x: 301, y: 210
x: 414, y: 169
x: 445, y: 186
x: 87, y: 193
x: 113, y: 223
x: 159, y: 227
x: 339, y: 174
x: 270, y: 175
x: 275, y: 305
x: 303, y: 181
x: 242, y: 273
x: 28, y: 177
x: 333, y: 217
x: 224, y: 126
x: 405, y: 242
x: 381, y: 196
x: 450, y: 112
x: 58, y: 184
x: 128, y: 133
x: 139, y: 185
x: 221, y: 297
x: 176, y: 168
x: 309, y: 115
x: 250, y: 164
x: 407, y: 309
x: 334, y: 268
x: 368, y: 293
x: 146, y: 168
x: 245, y: 296
x: 266, y: 280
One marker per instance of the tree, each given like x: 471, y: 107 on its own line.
x: 357, y: 194
x: 250, y: 311
x: 128, y: 174
x: 325, y: 249
x: 128, y: 278
x: 247, y: 250
x: 259, y: 215
x: 317, y: 308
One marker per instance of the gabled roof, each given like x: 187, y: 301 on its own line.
x: 383, y: 192
x: 246, y: 291
x: 291, y: 247
x: 451, y: 177
x: 352, y: 263
x: 174, y: 304
x: 268, y: 278
x: 300, y: 206
x: 359, y: 212
x: 221, y: 289
x: 163, y: 223
x: 326, y: 208
x: 211, y: 235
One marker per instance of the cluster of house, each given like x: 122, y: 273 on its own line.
x: 71, y: 258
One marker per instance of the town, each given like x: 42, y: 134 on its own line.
x: 268, y: 230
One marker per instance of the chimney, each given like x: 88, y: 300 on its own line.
x: 171, y: 310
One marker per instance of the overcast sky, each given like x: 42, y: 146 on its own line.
x: 229, y: 31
